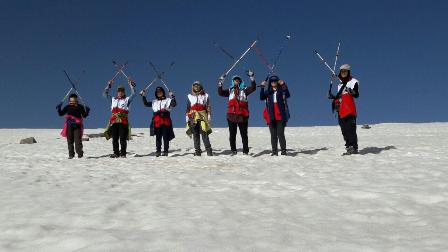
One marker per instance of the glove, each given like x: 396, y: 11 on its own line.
x: 209, y: 117
x: 171, y: 94
x: 250, y: 73
x: 187, y: 119
x: 109, y: 84
x: 131, y: 83
x: 263, y: 84
x: 59, y: 106
x: 330, y: 95
x: 221, y: 81
x: 142, y: 93
x: 87, y: 109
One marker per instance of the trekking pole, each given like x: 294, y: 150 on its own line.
x: 163, y: 82
x: 120, y: 69
x: 325, y: 63
x: 74, y: 88
x: 263, y: 58
x: 240, y: 58
x: 227, y: 53
x: 68, y: 93
x: 335, y: 63
x: 282, y: 47
x: 150, y: 84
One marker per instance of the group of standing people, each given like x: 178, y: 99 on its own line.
x: 273, y: 91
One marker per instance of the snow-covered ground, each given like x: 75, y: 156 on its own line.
x: 392, y: 197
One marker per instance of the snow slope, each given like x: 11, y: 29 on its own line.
x: 392, y: 197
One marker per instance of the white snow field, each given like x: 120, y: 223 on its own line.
x: 391, y: 197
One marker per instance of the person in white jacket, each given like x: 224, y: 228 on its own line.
x: 161, y: 123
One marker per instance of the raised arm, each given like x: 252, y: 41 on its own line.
x: 252, y: 88
x: 63, y: 111
x: 145, y: 102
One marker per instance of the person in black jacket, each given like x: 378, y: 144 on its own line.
x: 74, y: 126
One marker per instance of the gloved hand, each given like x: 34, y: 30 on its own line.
x: 59, y: 106
x: 109, y: 84
x: 209, y: 117
x: 187, y: 119
x: 221, y: 81
x: 171, y: 94
x: 250, y: 73
x: 131, y: 83
x: 330, y: 95
x: 87, y: 109
x: 142, y: 93
x: 263, y: 84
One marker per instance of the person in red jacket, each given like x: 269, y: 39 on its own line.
x: 238, y: 108
x: 344, y: 104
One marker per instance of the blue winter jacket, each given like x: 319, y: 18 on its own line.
x: 282, y: 95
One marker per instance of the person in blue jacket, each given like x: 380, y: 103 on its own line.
x: 276, y: 113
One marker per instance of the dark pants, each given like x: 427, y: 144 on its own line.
x: 277, y: 130
x: 197, y: 134
x: 119, y: 132
x: 163, y: 132
x: 74, y: 137
x: 348, y: 128
x: 233, y: 128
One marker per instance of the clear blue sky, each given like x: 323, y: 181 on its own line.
x: 398, y: 50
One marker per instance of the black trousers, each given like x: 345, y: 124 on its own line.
x: 197, y: 134
x: 119, y: 134
x: 74, y: 137
x: 163, y: 132
x: 233, y: 128
x: 348, y: 128
x: 277, y: 130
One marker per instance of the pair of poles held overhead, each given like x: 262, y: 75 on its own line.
x: 73, y: 89
x: 271, y: 66
x: 332, y: 70
x: 120, y: 69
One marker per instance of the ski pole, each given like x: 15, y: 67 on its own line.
x: 241, y: 57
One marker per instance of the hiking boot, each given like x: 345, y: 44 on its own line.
x: 209, y: 152
x: 274, y: 153
x: 165, y: 153
x: 197, y: 153
x: 233, y: 153
x: 71, y: 157
x: 114, y: 156
x: 80, y: 155
x: 351, y: 151
x: 158, y: 154
x: 284, y: 153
